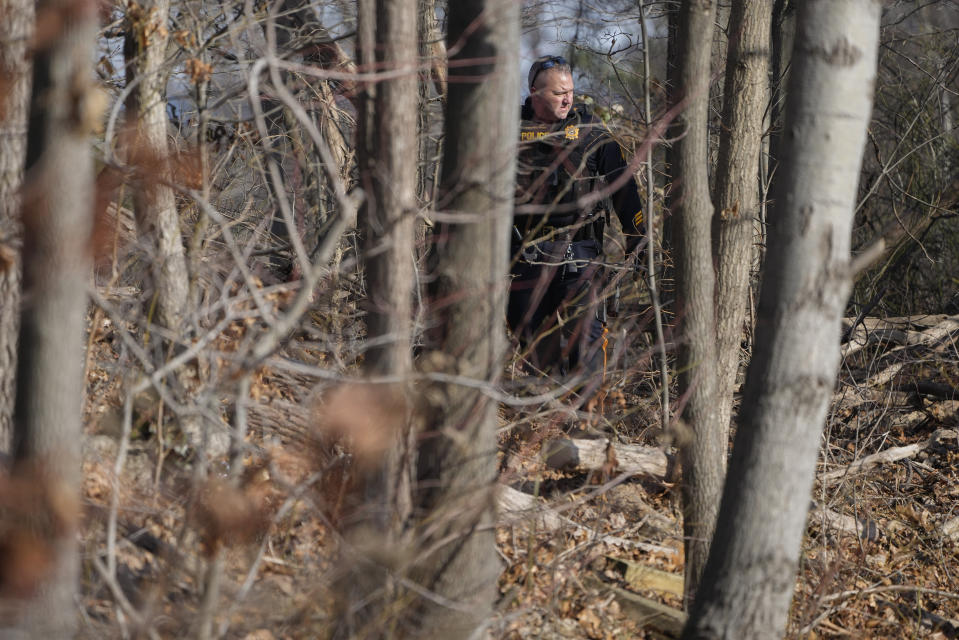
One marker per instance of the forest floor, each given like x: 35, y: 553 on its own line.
x: 588, y: 549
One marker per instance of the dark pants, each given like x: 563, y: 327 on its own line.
x: 553, y: 299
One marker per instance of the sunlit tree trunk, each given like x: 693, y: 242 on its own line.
x: 16, y: 25
x: 154, y: 201
x: 748, y: 583
x: 57, y: 216
x: 457, y: 456
x: 702, y: 453
x: 737, y: 187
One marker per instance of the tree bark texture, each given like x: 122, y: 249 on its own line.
x: 390, y: 214
x: 57, y: 217
x: 737, y: 186
x: 457, y: 456
x: 16, y: 25
x: 667, y: 283
x: 748, y: 583
x: 783, y: 33
x: 388, y: 174
x: 703, y: 457
x: 154, y: 202
x: 386, y: 153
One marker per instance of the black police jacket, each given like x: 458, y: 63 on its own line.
x: 559, y: 163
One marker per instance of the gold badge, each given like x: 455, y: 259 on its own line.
x: 572, y: 132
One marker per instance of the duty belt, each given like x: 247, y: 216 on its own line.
x: 530, y: 252
x: 569, y: 233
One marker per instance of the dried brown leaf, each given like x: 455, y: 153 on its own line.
x: 36, y: 511
x: 198, y: 70
x: 228, y: 515
x: 367, y: 416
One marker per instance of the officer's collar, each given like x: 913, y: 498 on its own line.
x: 526, y: 113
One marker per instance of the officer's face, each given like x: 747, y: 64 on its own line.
x: 552, y: 95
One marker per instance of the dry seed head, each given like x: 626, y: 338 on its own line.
x: 366, y: 416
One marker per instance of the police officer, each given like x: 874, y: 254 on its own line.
x: 565, y: 154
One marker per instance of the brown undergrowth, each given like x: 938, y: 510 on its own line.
x: 593, y: 551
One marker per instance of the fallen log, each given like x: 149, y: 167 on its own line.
x: 918, y: 322
x: 916, y: 612
x: 516, y: 507
x: 937, y: 390
x: 950, y: 529
x: 565, y: 454
x: 642, y: 577
x: 646, y: 612
x: 889, y: 455
x: 900, y: 332
x: 863, y: 528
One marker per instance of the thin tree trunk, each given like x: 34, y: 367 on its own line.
x: 653, y: 256
x: 667, y: 284
x: 386, y: 155
x: 737, y: 187
x: 389, y: 180
x: 782, y: 32
x: 748, y: 582
x: 154, y: 202
x: 58, y: 201
x: 457, y: 457
x: 388, y: 217
x: 703, y: 455
x: 16, y: 25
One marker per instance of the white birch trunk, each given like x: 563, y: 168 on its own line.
x: 154, y: 202
x: 748, y: 582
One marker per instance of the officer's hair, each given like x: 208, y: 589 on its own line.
x: 537, y: 68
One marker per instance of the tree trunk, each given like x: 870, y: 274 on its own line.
x: 457, y: 457
x: 782, y: 32
x: 388, y: 174
x: 386, y: 153
x: 58, y: 201
x: 748, y: 582
x: 737, y: 187
x: 154, y: 202
x: 703, y: 456
x: 667, y: 283
x: 16, y: 25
